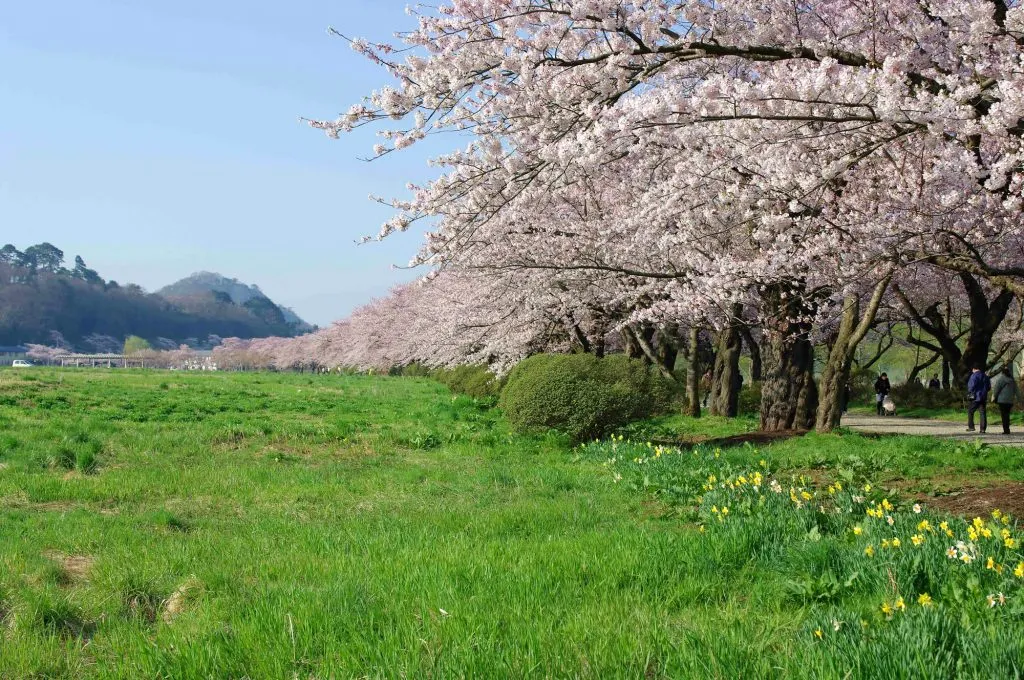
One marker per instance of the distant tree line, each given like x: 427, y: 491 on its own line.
x: 42, y: 299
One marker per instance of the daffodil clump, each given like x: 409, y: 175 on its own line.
x: 865, y: 561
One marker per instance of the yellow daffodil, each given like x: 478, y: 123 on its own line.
x: 923, y: 525
x: 857, y: 531
x: 1019, y: 571
x: 870, y: 552
x: 896, y: 543
x: 1010, y: 543
x: 818, y: 634
x: 900, y: 605
x: 887, y: 608
x: 925, y: 600
x: 917, y: 539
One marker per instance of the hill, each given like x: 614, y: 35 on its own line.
x: 43, y: 301
x: 202, y: 284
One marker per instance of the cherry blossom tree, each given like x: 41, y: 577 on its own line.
x: 672, y: 160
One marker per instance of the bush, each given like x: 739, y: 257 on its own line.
x: 581, y: 395
x: 750, y: 398
x: 916, y: 395
x: 473, y: 381
x: 414, y: 370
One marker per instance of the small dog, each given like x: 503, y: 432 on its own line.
x: 888, y: 406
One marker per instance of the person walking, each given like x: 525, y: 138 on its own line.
x: 882, y: 389
x: 1005, y: 393
x: 978, y: 387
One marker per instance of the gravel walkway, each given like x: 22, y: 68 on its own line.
x: 939, y: 428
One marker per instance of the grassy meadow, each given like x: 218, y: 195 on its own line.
x: 179, y: 525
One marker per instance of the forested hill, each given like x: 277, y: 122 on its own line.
x: 202, y: 284
x: 47, y: 301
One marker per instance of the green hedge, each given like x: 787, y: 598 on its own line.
x: 915, y: 395
x: 473, y: 381
x: 581, y: 395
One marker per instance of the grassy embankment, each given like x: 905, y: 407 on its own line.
x: 182, y: 525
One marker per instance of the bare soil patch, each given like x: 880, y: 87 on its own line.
x: 75, y: 567
x: 973, y: 501
x: 756, y: 438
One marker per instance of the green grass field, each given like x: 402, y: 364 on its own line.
x: 173, y: 525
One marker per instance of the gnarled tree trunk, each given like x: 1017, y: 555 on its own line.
x: 693, y: 374
x: 725, y: 390
x: 789, y: 395
x: 756, y: 372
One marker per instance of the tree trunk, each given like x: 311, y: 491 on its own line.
x: 725, y: 390
x: 755, y: 353
x: 986, y: 317
x: 789, y: 396
x: 667, y: 350
x: 836, y: 373
x: 632, y: 347
x: 693, y: 374
x: 650, y: 355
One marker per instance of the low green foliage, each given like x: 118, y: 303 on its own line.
x: 472, y: 381
x: 581, y: 395
x: 915, y: 395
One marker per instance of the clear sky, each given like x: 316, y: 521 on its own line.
x: 156, y: 139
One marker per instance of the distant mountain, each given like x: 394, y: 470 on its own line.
x: 43, y: 301
x: 202, y: 284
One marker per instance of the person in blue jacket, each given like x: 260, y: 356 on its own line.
x: 978, y: 387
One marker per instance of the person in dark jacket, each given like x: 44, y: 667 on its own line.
x: 934, y: 383
x: 978, y: 387
x: 882, y: 389
x: 1005, y: 393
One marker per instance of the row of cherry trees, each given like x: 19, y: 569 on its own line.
x: 650, y: 176
x: 662, y: 166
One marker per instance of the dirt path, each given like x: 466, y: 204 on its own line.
x: 938, y: 428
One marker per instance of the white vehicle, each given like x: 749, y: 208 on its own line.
x: 21, y: 363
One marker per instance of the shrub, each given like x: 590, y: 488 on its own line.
x: 750, y: 398
x: 581, y: 395
x: 414, y: 370
x: 473, y: 381
x: 916, y: 395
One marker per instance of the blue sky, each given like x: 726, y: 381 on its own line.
x: 156, y: 139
